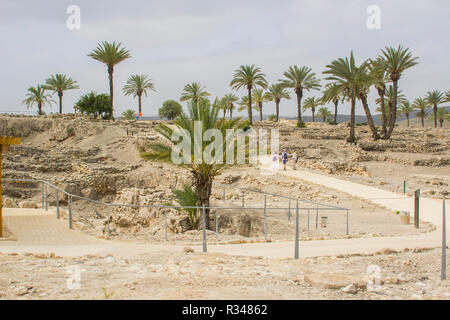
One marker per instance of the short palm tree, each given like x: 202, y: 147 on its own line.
x: 397, y: 61
x: 129, y: 115
x: 59, y: 83
x: 110, y: 54
x: 332, y: 94
x: 434, y: 98
x: 300, y: 79
x: 276, y: 93
x: 203, y: 172
x: 379, y: 75
x: 406, y: 109
x: 312, y: 103
x: 324, y: 113
x: 249, y: 77
x: 37, y: 96
x: 258, y: 99
x: 136, y: 86
x: 421, y: 104
x: 194, y: 92
x: 442, y: 114
x: 447, y: 96
x: 230, y: 99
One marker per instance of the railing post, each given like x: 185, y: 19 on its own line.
x: 347, y: 231
x: 70, y: 212
x: 317, y: 216
x: 444, y: 243
x: 416, y: 208
x: 296, y: 234
x: 42, y: 195
x: 165, y: 226
x: 217, y: 226
x: 46, y: 198
x: 289, y: 212
x: 265, y: 217
x: 204, y: 228
x: 404, y: 186
x: 242, y: 198
x: 57, y: 204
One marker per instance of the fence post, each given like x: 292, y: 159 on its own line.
x: 217, y: 226
x: 404, y: 186
x: 165, y: 226
x: 204, y: 228
x: 242, y: 198
x: 289, y: 212
x: 57, y: 204
x: 444, y: 243
x: 42, y: 195
x: 265, y: 217
x: 308, y: 221
x: 296, y: 233
x: 70, y: 212
x: 317, y: 216
x: 347, y: 232
x: 416, y: 208
x: 46, y: 198
x: 223, y: 194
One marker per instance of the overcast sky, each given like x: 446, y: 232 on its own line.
x: 177, y: 42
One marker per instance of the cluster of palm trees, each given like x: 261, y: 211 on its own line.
x: 110, y: 54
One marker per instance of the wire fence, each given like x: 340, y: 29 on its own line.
x: 266, y: 220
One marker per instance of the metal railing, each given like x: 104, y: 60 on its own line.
x: 45, y: 185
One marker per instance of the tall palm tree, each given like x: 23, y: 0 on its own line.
x: 332, y: 94
x: 324, y: 113
x: 300, y: 79
x: 406, y: 109
x: 110, y: 54
x: 258, y: 99
x: 276, y: 93
x: 194, y: 91
x: 203, y: 172
x: 249, y: 77
x: 421, y: 104
x: 230, y: 99
x: 354, y: 81
x: 138, y: 84
x: 59, y: 83
x: 397, y: 61
x: 37, y: 96
x: 312, y: 103
x: 434, y: 98
x: 379, y: 75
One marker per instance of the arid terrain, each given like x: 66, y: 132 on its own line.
x: 100, y: 160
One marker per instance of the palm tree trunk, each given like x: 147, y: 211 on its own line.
x: 313, y: 110
x: 40, y: 108
x: 60, y: 95
x: 422, y: 116
x: 351, y: 137
x: 250, y: 105
x: 335, y: 110
x: 140, y: 105
x: 383, y: 113
x: 224, y: 112
x: 369, y: 118
x: 323, y: 118
x: 203, y: 188
x: 435, y: 115
x: 407, y: 119
x: 393, y: 113
x: 231, y: 112
x: 299, y: 107
x: 260, y: 111
x: 277, y: 104
x: 441, y: 122
x: 111, y: 89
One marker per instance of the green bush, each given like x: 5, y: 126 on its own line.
x: 272, y: 117
x: 95, y: 104
x: 129, y: 115
x: 187, y: 197
x: 302, y: 124
x: 170, y: 110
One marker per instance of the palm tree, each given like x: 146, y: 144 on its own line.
x: 406, y: 109
x: 447, y: 96
x: 258, y: 98
x: 379, y: 75
x: 421, y: 104
x: 251, y: 78
x: 276, y: 93
x: 110, y: 54
x: 312, y: 103
x: 332, y: 94
x: 354, y: 81
x: 229, y: 100
x: 324, y: 113
x: 434, y: 98
x: 194, y: 91
x: 442, y: 115
x: 59, y: 83
x: 203, y: 172
x: 39, y: 97
x: 397, y: 61
x: 138, y: 84
x: 300, y: 79
x: 388, y: 100
x: 129, y: 115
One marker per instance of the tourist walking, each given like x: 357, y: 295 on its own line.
x: 284, y: 158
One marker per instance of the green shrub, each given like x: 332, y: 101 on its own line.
x: 302, y: 124
x: 129, y: 115
x: 95, y: 104
x: 170, y: 110
x: 187, y: 197
x: 272, y: 117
